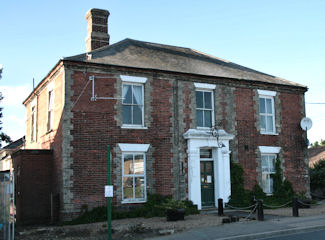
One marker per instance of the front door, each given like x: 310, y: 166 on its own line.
x: 207, y: 184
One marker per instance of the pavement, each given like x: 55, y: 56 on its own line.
x: 270, y: 227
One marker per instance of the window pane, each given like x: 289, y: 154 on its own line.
x: 265, y: 166
x: 263, y: 123
x: 271, y: 185
x: 269, y: 124
x: 262, y: 105
x: 137, y: 115
x: 127, y: 187
x: 268, y: 105
x: 272, y: 163
x: 126, y: 115
x: 128, y: 164
x: 139, y: 187
x: 138, y: 164
x: 199, y: 118
x: 137, y: 95
x: 199, y: 99
x: 207, y: 118
x: 208, y: 100
x: 264, y: 183
x: 205, y: 153
x: 127, y: 94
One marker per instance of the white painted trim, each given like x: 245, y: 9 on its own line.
x: 269, y: 149
x: 204, y: 109
x: 50, y: 86
x: 133, y: 79
x: 133, y: 147
x: 197, y: 139
x: 205, y: 86
x: 266, y: 93
x: 126, y: 126
x: 33, y: 103
x: 133, y: 175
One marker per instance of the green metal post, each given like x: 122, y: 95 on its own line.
x: 109, y: 200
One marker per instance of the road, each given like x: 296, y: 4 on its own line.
x: 314, y: 235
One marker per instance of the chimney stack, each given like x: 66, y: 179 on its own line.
x: 97, y: 29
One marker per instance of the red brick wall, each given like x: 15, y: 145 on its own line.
x: 246, y: 134
x: 33, y: 185
x: 94, y: 126
x: 290, y: 138
x: 292, y: 141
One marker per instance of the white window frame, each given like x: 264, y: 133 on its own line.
x: 268, y: 151
x: 267, y: 95
x: 134, y: 81
x: 205, y: 87
x: 50, y: 109
x: 268, y: 173
x: 33, y: 120
x: 134, y: 149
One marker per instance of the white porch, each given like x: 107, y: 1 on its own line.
x: 196, y: 139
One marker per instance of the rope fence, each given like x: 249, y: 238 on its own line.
x: 240, y: 208
x: 258, y: 207
x: 275, y: 207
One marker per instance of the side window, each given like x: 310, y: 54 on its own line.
x: 50, y: 110
x: 134, y: 179
x: 33, y: 124
x: 267, y: 112
x: 268, y: 168
x: 132, y: 104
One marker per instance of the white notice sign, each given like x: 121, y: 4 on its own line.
x: 209, y: 179
x: 109, y: 191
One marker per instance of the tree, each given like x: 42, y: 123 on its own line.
x: 3, y: 137
x: 317, y: 176
x: 318, y: 144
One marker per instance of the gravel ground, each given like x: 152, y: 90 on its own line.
x: 139, y: 228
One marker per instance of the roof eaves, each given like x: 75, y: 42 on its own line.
x: 42, y: 81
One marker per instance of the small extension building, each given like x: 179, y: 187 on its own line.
x: 173, y: 117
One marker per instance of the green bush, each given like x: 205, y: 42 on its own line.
x: 155, y: 206
x: 240, y: 197
x: 317, y: 176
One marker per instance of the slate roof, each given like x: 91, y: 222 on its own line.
x: 146, y: 55
x: 15, y: 144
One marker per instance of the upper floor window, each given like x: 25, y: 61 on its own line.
x: 204, y: 105
x: 267, y: 113
x: 133, y: 101
x: 33, y: 124
x: 50, y: 110
x: 132, y: 104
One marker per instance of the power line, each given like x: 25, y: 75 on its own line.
x: 314, y: 103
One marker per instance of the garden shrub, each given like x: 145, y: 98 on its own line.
x: 154, y: 207
x: 240, y: 197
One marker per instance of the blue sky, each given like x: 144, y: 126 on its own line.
x: 282, y: 38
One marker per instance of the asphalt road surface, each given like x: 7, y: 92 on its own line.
x: 315, y: 235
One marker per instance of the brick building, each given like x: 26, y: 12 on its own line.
x: 316, y: 154
x: 173, y: 116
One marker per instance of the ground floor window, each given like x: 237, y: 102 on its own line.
x: 268, y: 168
x: 134, y: 177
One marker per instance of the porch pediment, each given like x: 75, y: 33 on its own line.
x: 207, y: 134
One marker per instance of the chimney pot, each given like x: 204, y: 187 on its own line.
x: 97, y: 29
